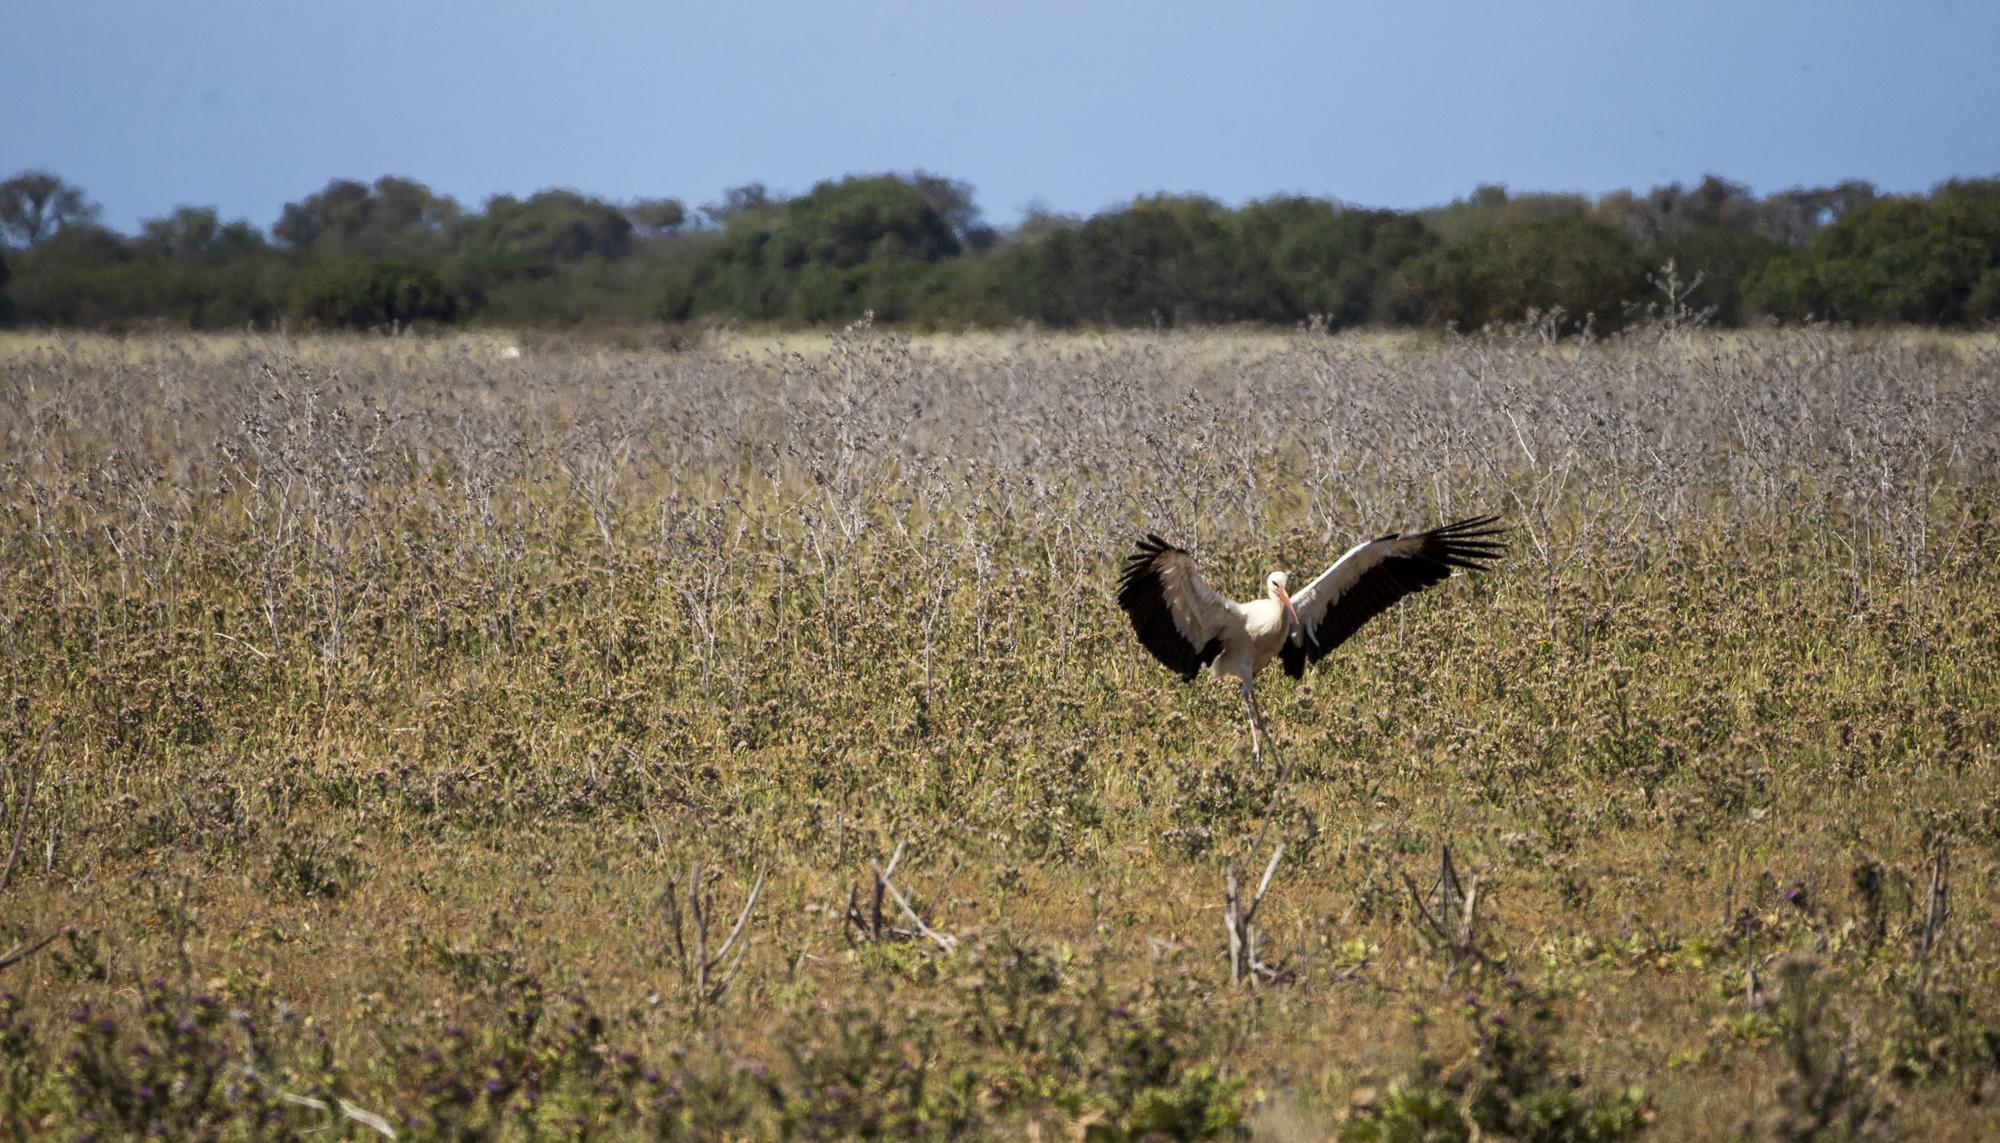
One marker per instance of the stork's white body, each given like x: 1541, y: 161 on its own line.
x: 1260, y: 630
x: 1249, y: 643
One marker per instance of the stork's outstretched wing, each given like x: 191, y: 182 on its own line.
x: 1371, y: 576
x: 1176, y: 614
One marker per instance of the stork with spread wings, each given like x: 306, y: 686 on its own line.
x: 1188, y: 625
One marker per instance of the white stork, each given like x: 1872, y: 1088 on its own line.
x: 1188, y: 625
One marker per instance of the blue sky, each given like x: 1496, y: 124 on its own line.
x: 248, y: 104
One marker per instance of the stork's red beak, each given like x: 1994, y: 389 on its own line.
x: 1289, y: 609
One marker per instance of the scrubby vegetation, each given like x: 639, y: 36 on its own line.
x: 914, y: 251
x: 404, y: 737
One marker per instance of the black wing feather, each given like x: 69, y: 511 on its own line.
x: 1144, y: 598
x: 1467, y: 544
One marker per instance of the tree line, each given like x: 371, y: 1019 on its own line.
x: 915, y: 250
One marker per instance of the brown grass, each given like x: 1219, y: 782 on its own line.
x: 390, y: 682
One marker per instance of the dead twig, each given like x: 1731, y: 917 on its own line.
x: 1454, y: 925
x: 871, y: 926
x: 27, y: 803
x: 946, y: 942
x: 247, y: 646
x: 1937, y: 909
x: 1246, y: 963
x: 347, y: 1110
x: 707, y: 975
x: 24, y: 950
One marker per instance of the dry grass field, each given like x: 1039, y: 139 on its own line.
x: 395, y: 733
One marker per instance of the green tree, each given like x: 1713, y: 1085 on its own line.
x: 1492, y: 205
x: 750, y: 199
x: 1929, y: 260
x: 395, y: 218
x: 1793, y: 217
x: 1673, y: 212
x: 196, y: 270
x: 957, y: 205
x: 197, y: 234
x: 961, y: 292
x: 6, y: 303
x: 1722, y: 261
x: 1322, y: 260
x: 74, y: 277
x: 848, y: 246
x: 547, y: 259
x: 850, y: 222
x: 82, y: 244
x: 1163, y: 260
x: 655, y: 217
x: 531, y: 237
x: 371, y: 294
x: 1497, y: 273
x: 1038, y: 221
x: 36, y: 205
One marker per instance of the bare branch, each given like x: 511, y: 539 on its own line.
x: 742, y: 918
x: 699, y: 967
x: 347, y: 1110
x: 945, y: 942
x: 21, y: 952
x: 1246, y: 963
x: 873, y: 928
x: 27, y: 801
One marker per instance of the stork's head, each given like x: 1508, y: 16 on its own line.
x: 1274, y: 587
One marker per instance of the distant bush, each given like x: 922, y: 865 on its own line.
x: 1581, y: 265
x: 912, y: 250
x: 1162, y: 261
x: 849, y: 246
x: 1724, y: 261
x: 363, y: 295
x: 1333, y: 263
x: 1929, y: 260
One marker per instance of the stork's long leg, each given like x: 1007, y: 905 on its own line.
x: 1257, y: 718
x: 1278, y: 780
x: 1256, y: 722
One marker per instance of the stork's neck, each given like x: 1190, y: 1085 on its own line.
x: 1276, y: 593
